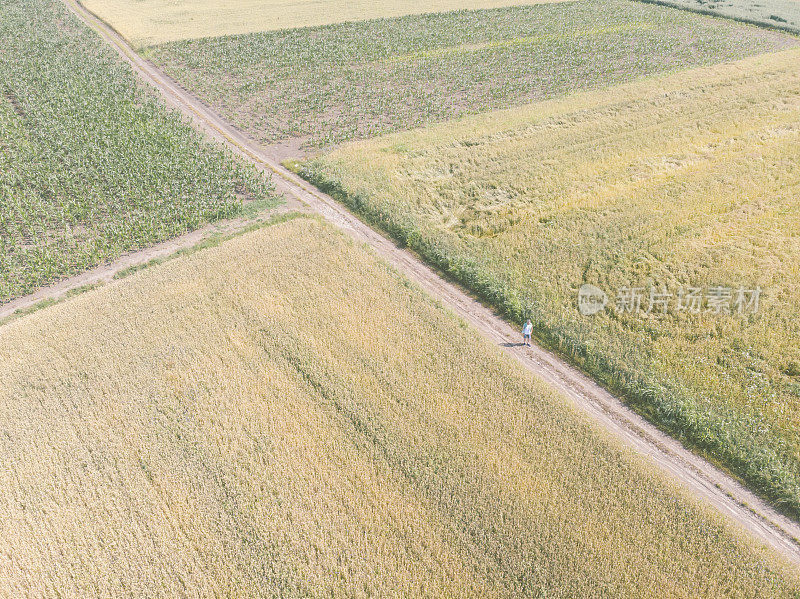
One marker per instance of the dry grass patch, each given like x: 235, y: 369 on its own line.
x: 283, y: 414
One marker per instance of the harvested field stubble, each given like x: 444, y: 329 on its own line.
x: 284, y: 414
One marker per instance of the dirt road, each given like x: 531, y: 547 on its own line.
x: 699, y: 477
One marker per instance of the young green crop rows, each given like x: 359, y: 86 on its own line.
x: 283, y: 415
x: 679, y: 182
x: 91, y: 164
x: 325, y: 85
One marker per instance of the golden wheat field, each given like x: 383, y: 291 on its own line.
x: 679, y: 182
x: 149, y: 22
x: 284, y: 414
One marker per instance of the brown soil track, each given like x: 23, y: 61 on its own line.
x: 702, y: 479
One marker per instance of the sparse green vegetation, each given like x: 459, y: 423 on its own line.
x: 285, y: 415
x: 91, y: 163
x: 324, y: 85
x: 684, y: 181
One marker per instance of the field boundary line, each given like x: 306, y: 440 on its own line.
x: 703, y: 480
x: 131, y: 262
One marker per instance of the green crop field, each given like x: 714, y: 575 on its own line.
x: 91, y: 164
x: 147, y: 22
x: 319, y: 86
x: 284, y: 415
x: 782, y: 14
x: 681, y: 182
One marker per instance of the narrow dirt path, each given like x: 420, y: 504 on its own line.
x: 105, y: 272
x: 701, y: 478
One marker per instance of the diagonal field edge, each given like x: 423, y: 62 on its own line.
x: 702, y: 479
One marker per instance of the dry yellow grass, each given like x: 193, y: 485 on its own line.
x: 149, y: 22
x: 284, y: 413
x: 689, y: 180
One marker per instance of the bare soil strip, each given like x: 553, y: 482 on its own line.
x: 702, y: 479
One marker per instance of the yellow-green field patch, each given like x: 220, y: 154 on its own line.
x: 676, y: 183
x: 148, y: 22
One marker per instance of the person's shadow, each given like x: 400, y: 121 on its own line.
x: 512, y: 345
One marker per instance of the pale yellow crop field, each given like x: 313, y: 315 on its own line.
x: 683, y: 181
x: 150, y: 22
x: 284, y: 414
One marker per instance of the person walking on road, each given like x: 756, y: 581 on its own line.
x: 526, y: 333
